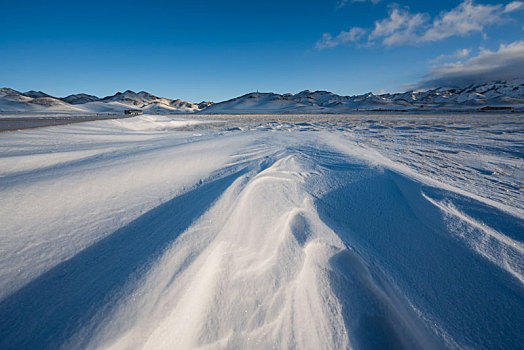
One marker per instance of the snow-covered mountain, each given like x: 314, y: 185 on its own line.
x: 496, y: 94
x: 205, y: 104
x: 36, y: 94
x: 32, y: 101
x: 79, y: 99
x: 144, y: 101
x: 493, y: 94
x: 257, y: 102
x: 471, y: 98
x: 38, y: 101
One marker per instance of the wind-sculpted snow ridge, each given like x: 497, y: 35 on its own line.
x: 308, y: 233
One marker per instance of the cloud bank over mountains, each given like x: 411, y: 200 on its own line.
x: 505, y: 63
x: 402, y: 27
x: 458, y: 69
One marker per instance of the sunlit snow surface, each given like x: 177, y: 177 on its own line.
x: 365, y: 232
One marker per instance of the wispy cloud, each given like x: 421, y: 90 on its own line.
x: 504, y: 64
x: 353, y: 35
x: 459, y: 54
x: 343, y: 3
x: 402, y: 27
x: 466, y: 18
x: 514, y: 6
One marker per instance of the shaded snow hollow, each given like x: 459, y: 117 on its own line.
x: 310, y: 233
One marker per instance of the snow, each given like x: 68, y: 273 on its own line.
x: 264, y: 232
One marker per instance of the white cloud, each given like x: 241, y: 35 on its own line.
x: 463, y: 53
x: 402, y: 27
x: 462, y: 20
x: 514, y: 6
x: 504, y: 64
x: 343, y: 3
x: 353, y: 35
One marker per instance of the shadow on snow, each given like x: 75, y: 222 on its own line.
x: 50, y: 309
x: 399, y: 236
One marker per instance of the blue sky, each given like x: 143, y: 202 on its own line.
x: 216, y: 50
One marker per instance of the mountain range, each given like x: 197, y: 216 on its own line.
x: 473, y: 97
x: 38, y: 101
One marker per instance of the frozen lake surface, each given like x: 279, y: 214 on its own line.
x: 231, y: 232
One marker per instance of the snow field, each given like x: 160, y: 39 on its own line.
x: 157, y: 233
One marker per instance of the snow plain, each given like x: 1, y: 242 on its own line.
x: 315, y: 232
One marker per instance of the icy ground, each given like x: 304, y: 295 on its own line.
x: 365, y: 232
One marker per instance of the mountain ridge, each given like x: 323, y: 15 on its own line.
x: 494, y: 94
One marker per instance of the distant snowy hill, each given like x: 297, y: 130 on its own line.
x: 262, y: 103
x: 32, y: 101
x: 496, y: 94
x: 144, y: 101
x: 205, y: 104
x: 471, y: 98
x: 80, y: 99
x: 38, y: 101
x: 36, y: 94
